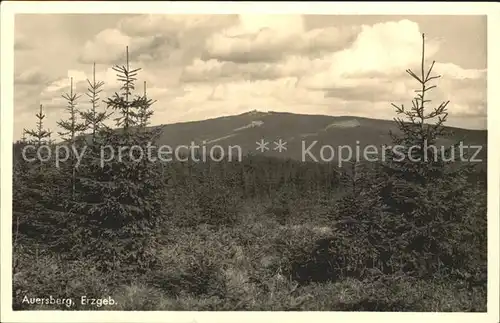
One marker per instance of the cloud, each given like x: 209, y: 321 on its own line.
x: 201, y: 66
x: 372, y: 69
x: 30, y: 77
x: 215, y: 70
x: 60, y: 85
x: 456, y: 72
x: 242, y: 62
x: 108, y: 47
x: 268, y: 38
x: 143, y: 25
x: 150, y: 37
x: 204, y: 100
x: 51, y: 95
x: 466, y: 91
x: 21, y: 43
x: 221, y: 71
x: 382, y: 49
x: 377, y: 51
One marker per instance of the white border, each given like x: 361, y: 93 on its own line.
x: 492, y: 10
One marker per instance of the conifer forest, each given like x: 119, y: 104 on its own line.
x: 261, y: 234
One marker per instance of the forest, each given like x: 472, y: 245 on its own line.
x: 263, y: 234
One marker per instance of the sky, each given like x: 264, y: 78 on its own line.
x: 204, y: 66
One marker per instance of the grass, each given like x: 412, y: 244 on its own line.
x: 243, y: 266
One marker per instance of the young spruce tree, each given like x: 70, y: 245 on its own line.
x: 94, y: 118
x: 419, y: 215
x: 121, y: 198
x: 437, y: 208
x: 35, y: 188
x: 70, y: 134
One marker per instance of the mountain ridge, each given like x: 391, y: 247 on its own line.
x: 247, y: 128
x: 271, y: 112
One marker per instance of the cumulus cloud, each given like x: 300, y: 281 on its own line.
x: 203, y: 100
x: 376, y: 51
x: 60, y: 84
x: 456, y: 72
x: 382, y: 49
x: 51, y: 95
x: 370, y: 69
x: 30, y: 77
x: 263, y: 38
x: 202, y: 66
x: 151, y: 37
x: 21, y: 42
x: 216, y: 70
x: 143, y: 25
x: 108, y: 47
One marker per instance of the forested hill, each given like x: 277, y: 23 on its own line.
x: 299, y: 132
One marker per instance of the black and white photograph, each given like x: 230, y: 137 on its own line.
x: 248, y: 162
